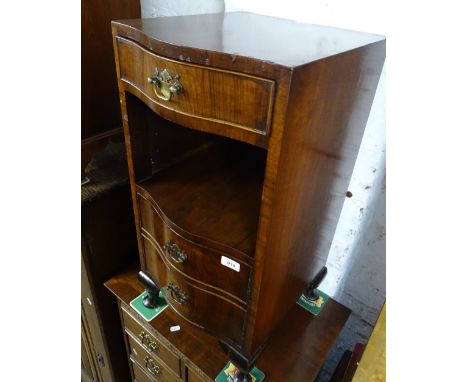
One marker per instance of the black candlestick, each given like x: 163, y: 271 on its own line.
x: 311, y: 293
x: 152, y: 287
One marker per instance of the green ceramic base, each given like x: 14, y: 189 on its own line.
x: 143, y: 311
x: 314, y: 307
x: 226, y: 374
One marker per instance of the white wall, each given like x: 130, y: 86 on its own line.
x: 360, y: 15
x: 356, y: 262
x: 155, y: 8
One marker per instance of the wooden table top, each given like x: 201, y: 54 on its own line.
x: 296, y: 351
x: 243, y: 34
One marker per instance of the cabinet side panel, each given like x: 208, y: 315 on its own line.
x: 99, y: 92
x: 108, y: 245
x: 328, y: 108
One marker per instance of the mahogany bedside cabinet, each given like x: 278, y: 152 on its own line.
x: 241, y: 133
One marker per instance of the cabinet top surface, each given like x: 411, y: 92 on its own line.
x: 278, y: 41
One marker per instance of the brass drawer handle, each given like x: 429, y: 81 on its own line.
x: 176, y: 254
x: 153, y: 345
x: 164, y: 85
x: 152, y: 367
x: 177, y: 294
x: 150, y: 343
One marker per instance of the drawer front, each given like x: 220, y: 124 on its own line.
x: 233, y: 99
x: 194, y: 261
x: 150, y: 343
x: 152, y: 365
x: 193, y: 301
x: 192, y: 376
x: 203, y: 308
x: 140, y: 374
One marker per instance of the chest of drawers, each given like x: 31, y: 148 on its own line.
x: 192, y: 355
x: 241, y: 133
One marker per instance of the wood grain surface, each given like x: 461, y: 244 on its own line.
x: 226, y: 97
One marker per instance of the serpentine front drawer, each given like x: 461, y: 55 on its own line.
x: 234, y: 100
x: 194, y: 261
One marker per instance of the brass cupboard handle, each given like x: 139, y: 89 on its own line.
x: 164, y: 84
x: 176, y: 254
x: 152, y: 367
x: 153, y: 345
x: 150, y: 344
x: 178, y: 294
